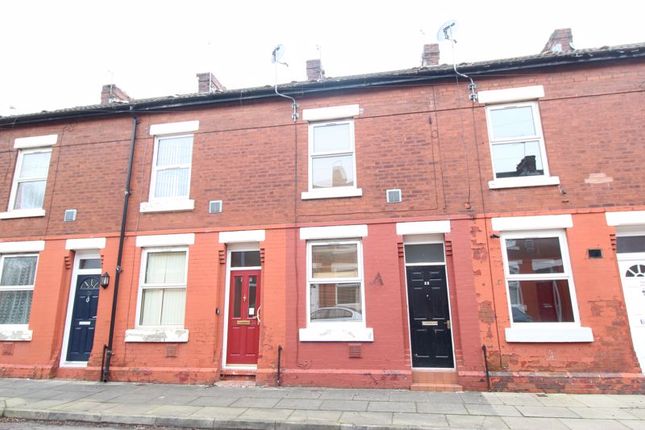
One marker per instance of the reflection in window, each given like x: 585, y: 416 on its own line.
x: 332, y: 155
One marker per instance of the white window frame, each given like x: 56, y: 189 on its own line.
x: 31, y: 212
x: 331, y: 192
x: 158, y: 333
x: 520, y: 181
x: 336, y: 331
x: 174, y: 203
x: 543, y: 331
x: 17, y: 332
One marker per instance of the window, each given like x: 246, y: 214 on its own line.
x: 538, y: 276
x: 30, y: 179
x: 335, y: 282
x: 163, y: 287
x: 517, y: 145
x: 332, y: 157
x: 17, y: 278
x: 171, y: 167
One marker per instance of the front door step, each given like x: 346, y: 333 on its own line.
x: 435, y: 381
x: 236, y: 377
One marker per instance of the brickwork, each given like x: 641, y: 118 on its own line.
x: 427, y: 140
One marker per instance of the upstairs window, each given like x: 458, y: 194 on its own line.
x: 171, y: 167
x: 30, y: 179
x: 332, y: 152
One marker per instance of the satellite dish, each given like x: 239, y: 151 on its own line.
x: 277, y: 54
x: 447, y: 31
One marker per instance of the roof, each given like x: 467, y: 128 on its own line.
x: 417, y: 75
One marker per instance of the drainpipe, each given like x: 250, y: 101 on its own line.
x: 107, y: 349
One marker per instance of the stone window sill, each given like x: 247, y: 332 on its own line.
x: 167, y: 206
x: 331, y: 193
x: 156, y: 335
x: 15, y: 333
x: 524, y: 181
x: 323, y: 332
x: 538, y: 333
x: 22, y: 213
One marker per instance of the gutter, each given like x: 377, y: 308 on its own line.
x: 107, y: 349
x: 409, y: 76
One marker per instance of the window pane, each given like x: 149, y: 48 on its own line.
x: 333, y: 171
x: 424, y: 253
x: 245, y: 259
x: 15, y: 307
x: 517, y: 159
x: 335, y: 302
x: 30, y: 195
x: 630, y: 244
x: 90, y: 263
x: 172, y: 183
x: 331, y: 137
x: 18, y: 271
x: 237, y: 298
x: 541, y: 301
x: 35, y: 165
x: 538, y: 255
x: 174, y: 151
x: 166, y: 268
x: 151, y: 300
x: 512, y: 122
x: 253, y: 283
x: 334, y: 261
x: 173, y: 307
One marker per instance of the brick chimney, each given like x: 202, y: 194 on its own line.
x: 430, y: 56
x: 112, y: 94
x: 315, y: 71
x: 561, y: 40
x: 207, y: 83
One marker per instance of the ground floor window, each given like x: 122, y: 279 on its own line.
x: 163, y: 287
x: 17, y: 278
x: 335, y: 281
x: 538, y: 278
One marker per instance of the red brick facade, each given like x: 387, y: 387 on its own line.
x: 426, y: 139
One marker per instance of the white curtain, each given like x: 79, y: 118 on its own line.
x: 166, y: 268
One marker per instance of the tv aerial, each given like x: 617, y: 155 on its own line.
x: 278, y: 54
x: 276, y: 58
x: 448, y: 31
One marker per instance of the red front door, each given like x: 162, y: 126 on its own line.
x: 243, y: 322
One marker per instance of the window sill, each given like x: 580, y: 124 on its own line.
x: 524, y: 181
x: 334, y: 333
x: 167, y: 205
x: 331, y: 193
x: 22, y: 213
x: 156, y: 335
x: 15, y: 333
x: 540, y: 334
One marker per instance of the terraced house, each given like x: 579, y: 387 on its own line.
x: 400, y: 229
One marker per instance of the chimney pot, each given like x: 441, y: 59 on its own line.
x: 315, y: 71
x: 112, y: 94
x: 430, y: 56
x: 561, y: 40
x: 207, y: 83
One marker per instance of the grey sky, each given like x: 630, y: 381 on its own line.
x: 59, y: 53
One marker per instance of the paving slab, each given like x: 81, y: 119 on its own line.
x: 377, y: 406
x: 480, y: 398
x: 213, y: 401
x: 556, y: 399
x: 495, y: 410
x: 309, y: 404
x: 633, y: 425
x: 429, y: 420
x: 525, y: 423
x: 309, y: 416
x: 254, y: 402
x: 337, y: 394
x: 172, y: 411
x: 603, y: 413
x: 271, y: 415
x: 344, y: 405
x: 638, y: 413
x: 518, y: 399
x: 442, y: 408
x: 593, y: 424
x: 366, y: 418
x: 547, y: 411
x: 476, y: 422
x: 218, y: 412
x: 597, y: 400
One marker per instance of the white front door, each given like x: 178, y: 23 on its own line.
x: 632, y: 271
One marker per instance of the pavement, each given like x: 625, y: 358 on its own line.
x: 295, y: 408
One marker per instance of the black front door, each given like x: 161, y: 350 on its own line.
x: 81, y: 334
x: 429, y: 316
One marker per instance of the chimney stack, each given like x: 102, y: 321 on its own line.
x: 315, y: 71
x: 207, y: 83
x: 430, y: 56
x: 561, y: 40
x: 112, y: 94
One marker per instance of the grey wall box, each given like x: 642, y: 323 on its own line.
x: 70, y: 215
x: 393, y: 196
x: 215, y: 206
